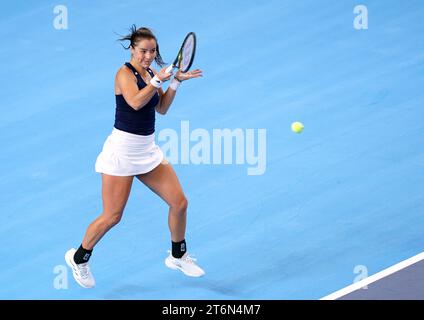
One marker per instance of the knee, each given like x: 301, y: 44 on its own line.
x: 112, y: 219
x: 181, y: 204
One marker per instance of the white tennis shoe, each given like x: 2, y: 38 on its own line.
x: 81, y: 272
x: 186, y: 264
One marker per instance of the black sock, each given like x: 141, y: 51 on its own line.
x: 178, y: 249
x: 82, y: 255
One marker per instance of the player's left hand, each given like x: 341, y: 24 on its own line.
x: 196, y: 73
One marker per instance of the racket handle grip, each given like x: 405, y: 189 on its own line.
x: 169, y: 69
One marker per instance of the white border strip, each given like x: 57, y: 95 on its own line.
x: 357, y: 285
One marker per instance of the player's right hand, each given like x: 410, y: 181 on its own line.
x: 163, y: 75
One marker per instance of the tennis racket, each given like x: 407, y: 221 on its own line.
x: 185, y: 56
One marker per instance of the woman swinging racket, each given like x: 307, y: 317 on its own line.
x: 130, y: 151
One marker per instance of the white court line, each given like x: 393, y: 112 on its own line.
x: 357, y: 285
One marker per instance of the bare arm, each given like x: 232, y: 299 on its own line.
x: 127, y: 85
x: 165, y: 100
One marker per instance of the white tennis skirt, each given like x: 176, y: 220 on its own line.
x: 128, y: 154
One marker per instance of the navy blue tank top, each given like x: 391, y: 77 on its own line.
x: 140, y: 121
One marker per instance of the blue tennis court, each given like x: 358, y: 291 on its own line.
x: 272, y: 214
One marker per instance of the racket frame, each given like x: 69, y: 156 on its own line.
x: 178, y: 59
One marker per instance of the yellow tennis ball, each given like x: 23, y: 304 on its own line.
x: 297, y: 127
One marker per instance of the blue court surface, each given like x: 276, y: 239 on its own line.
x: 275, y: 214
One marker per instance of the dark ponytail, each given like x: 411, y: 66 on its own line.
x: 139, y: 34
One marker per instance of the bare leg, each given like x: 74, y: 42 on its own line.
x: 164, y: 182
x: 115, y: 193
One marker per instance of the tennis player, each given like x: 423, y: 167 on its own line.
x: 130, y: 151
